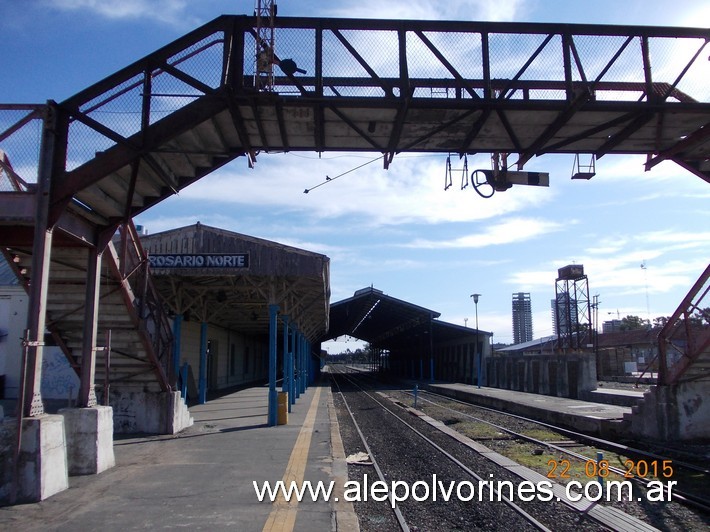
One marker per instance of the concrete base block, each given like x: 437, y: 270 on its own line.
x: 42, y: 463
x: 89, y: 439
x: 181, y: 418
x: 150, y: 412
x: 680, y: 412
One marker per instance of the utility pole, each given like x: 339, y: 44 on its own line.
x: 477, y: 351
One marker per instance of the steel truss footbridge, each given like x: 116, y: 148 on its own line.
x: 72, y: 172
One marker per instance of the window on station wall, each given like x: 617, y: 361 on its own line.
x: 245, y: 369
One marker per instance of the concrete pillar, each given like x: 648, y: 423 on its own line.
x: 89, y: 433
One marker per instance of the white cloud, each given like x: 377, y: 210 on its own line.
x: 488, y: 10
x: 411, y: 191
x: 514, y: 230
x: 614, y: 264
x: 166, y: 11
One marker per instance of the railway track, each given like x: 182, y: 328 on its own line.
x: 410, y: 448
x: 372, y: 421
x: 638, y: 465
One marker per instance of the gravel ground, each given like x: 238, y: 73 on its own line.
x: 662, y: 515
x: 404, y: 456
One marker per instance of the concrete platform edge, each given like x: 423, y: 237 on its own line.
x: 345, y: 518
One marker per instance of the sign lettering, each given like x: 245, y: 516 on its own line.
x: 202, y: 260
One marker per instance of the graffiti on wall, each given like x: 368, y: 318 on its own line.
x: 59, y: 380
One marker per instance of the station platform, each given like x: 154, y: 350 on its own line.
x: 581, y: 416
x: 202, y: 478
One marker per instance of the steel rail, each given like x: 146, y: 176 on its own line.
x: 397, y: 512
x: 529, y: 518
x: 578, y: 435
x: 687, y: 498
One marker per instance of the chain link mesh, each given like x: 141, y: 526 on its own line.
x: 20, y: 140
x: 365, y: 63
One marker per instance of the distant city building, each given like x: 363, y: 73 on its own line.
x: 522, y: 318
x: 611, y: 326
x: 560, y: 310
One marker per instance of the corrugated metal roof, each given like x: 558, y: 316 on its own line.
x: 238, y: 297
x: 385, y: 321
x: 537, y: 343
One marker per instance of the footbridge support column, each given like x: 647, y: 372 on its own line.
x: 89, y: 428
x: 37, y: 466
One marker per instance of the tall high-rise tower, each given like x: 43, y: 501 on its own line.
x: 522, y: 318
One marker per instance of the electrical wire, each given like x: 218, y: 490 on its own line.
x: 328, y: 179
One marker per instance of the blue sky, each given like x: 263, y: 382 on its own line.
x: 398, y: 230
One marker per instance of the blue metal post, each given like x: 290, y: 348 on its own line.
x: 273, y: 396
x: 299, y: 375
x: 284, y: 385
x: 309, y: 364
x: 183, y: 378
x: 304, y: 358
x: 306, y: 361
x: 203, y: 364
x: 431, y: 369
x: 480, y: 361
x: 177, y: 328
x: 292, y: 383
x: 297, y: 365
x: 421, y: 368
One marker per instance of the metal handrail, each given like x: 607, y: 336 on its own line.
x: 154, y: 322
x: 694, y: 340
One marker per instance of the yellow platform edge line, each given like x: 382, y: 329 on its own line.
x: 283, y: 514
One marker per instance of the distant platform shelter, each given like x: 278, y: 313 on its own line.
x: 409, y: 341
x: 232, y: 297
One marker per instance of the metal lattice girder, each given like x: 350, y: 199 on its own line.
x: 684, y: 341
x: 158, y: 125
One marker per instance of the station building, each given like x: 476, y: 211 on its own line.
x: 181, y: 314
x: 220, y: 288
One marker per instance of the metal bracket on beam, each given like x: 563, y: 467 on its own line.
x: 583, y: 171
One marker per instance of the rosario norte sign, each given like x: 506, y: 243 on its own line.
x: 202, y: 260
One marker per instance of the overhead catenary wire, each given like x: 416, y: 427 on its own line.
x: 328, y: 179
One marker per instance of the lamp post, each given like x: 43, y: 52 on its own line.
x: 477, y: 352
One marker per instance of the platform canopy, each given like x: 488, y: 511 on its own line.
x: 390, y: 323
x: 226, y: 278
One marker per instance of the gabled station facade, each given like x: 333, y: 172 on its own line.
x: 220, y: 288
